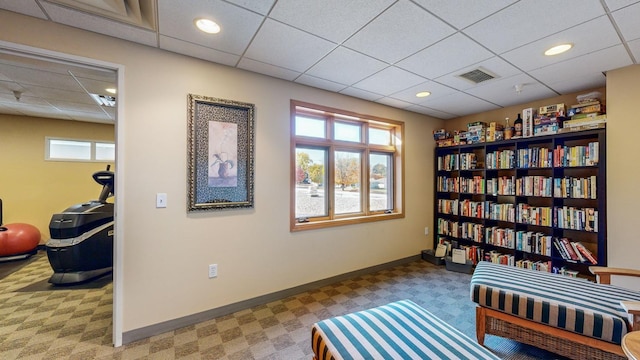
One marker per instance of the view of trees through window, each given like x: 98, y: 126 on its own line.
x: 344, y: 166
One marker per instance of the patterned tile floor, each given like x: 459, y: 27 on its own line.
x: 76, y: 324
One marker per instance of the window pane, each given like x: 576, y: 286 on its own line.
x: 380, y: 182
x: 310, y: 182
x: 379, y: 136
x: 105, y: 151
x: 68, y: 149
x: 347, y: 132
x: 348, y: 182
x: 306, y: 126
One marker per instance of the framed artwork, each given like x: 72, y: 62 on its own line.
x: 220, y: 154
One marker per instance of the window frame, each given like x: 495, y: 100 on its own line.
x: 47, y: 150
x: 395, y: 149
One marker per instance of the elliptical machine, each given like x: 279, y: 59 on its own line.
x: 81, y: 245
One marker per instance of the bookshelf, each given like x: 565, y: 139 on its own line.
x: 537, y: 202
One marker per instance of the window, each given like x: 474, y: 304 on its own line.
x: 79, y: 150
x: 346, y: 168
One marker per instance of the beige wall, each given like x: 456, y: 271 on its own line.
x: 33, y: 189
x: 166, y: 251
x: 623, y: 169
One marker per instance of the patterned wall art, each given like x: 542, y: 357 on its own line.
x: 220, y: 154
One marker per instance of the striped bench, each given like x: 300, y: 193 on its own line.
x: 564, y: 307
x: 399, y: 330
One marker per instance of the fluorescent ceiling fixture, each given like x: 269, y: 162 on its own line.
x: 423, y: 94
x: 559, y: 49
x: 208, y: 26
x: 110, y: 90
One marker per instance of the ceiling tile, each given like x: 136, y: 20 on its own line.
x: 394, y: 102
x: 389, y: 81
x: 267, y: 69
x: 100, y: 25
x: 474, y: 11
x: 26, y: 7
x: 197, y: 51
x: 77, y: 107
x: 362, y: 94
x: 299, y: 52
x: 634, y: 46
x: 334, y: 20
x: 505, y: 30
x: 617, y: 4
x: 448, y: 55
x: 402, y: 30
x: 565, y: 73
x: 260, y: 6
x: 47, y: 93
x: 431, y: 112
x: 494, y: 65
x: 346, y: 66
x: 460, y: 104
x: 27, y: 77
x: 591, y: 36
x: 436, y: 90
x: 238, y: 25
x: 320, y: 83
x: 503, y: 92
x: 628, y: 20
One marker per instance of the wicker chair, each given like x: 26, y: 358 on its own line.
x: 571, y: 340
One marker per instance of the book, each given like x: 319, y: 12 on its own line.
x: 586, y: 253
x: 459, y: 256
x: 567, y: 245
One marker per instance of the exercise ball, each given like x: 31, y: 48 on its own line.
x: 16, y: 239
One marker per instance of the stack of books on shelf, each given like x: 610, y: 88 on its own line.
x: 476, y: 132
x: 548, y: 119
x: 533, y: 242
x: 577, y: 188
x: 570, y: 156
x: 499, y: 258
x: 534, y: 265
x: 500, y: 237
x: 574, y: 251
x: 583, y: 219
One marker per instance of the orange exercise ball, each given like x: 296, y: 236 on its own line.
x: 16, y: 239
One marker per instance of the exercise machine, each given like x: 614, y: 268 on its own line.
x: 81, y: 244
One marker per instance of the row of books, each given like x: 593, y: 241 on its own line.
x: 541, y: 186
x: 474, y: 185
x: 577, y: 188
x: 500, y: 237
x: 565, y: 217
x: 535, y: 157
x: 561, y: 156
x: 574, y: 250
x: 569, y: 156
x: 569, y: 217
x: 475, y: 253
x: 500, y: 159
x: 533, y: 242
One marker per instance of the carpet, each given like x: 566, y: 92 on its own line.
x: 9, y: 267
x: 44, y: 285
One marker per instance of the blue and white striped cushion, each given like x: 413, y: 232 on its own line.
x: 572, y: 304
x: 399, y: 330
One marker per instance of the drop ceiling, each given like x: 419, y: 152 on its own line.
x: 384, y: 51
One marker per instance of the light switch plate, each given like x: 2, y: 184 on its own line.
x: 161, y: 200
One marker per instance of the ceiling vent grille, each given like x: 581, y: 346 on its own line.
x: 478, y: 75
x: 140, y: 13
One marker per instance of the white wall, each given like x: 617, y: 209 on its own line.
x: 166, y: 251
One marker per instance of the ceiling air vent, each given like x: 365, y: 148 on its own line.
x: 478, y: 75
x: 104, y: 100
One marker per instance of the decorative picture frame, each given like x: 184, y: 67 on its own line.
x: 220, y: 154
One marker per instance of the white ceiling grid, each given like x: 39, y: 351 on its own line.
x: 379, y: 50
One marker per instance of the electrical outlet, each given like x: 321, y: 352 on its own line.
x: 426, y: 230
x: 213, y: 271
x: 161, y: 200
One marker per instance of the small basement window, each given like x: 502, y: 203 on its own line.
x: 57, y: 149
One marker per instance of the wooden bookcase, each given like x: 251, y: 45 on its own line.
x: 513, y: 201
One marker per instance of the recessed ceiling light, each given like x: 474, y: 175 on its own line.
x: 208, y: 26
x: 423, y: 94
x: 559, y: 49
x: 110, y: 90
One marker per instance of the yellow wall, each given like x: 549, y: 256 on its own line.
x: 166, y: 251
x: 33, y: 189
